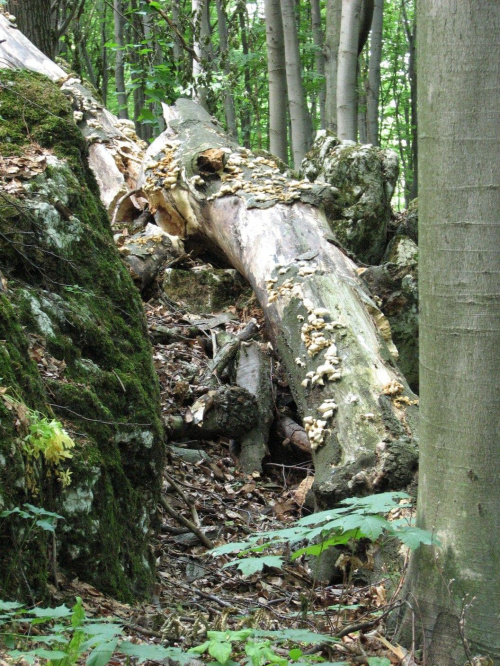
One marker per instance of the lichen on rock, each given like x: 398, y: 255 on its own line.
x: 69, y: 304
x: 365, y: 178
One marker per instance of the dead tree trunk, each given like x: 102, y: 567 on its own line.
x: 358, y: 411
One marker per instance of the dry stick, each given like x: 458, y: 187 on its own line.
x: 206, y: 595
x: 188, y: 500
x: 187, y: 523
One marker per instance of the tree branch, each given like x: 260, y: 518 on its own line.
x: 173, y: 27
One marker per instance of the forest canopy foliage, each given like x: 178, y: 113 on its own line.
x: 140, y: 53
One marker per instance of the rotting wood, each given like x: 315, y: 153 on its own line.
x: 357, y: 408
x: 292, y: 434
x: 253, y: 372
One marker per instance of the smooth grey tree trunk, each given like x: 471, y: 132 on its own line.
x: 176, y: 45
x: 332, y: 38
x: 454, y: 590
x: 246, y: 104
x: 347, y: 70
x: 103, y: 7
x: 277, y: 80
x: 299, y: 115
x: 373, y: 90
x: 229, y: 108
x: 121, y: 95
x: 201, y: 30
x: 319, y: 58
x: 411, y: 36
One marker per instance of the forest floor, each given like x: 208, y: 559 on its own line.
x: 195, y: 593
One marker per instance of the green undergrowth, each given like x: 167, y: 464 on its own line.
x: 355, y: 519
x: 70, y: 301
x: 66, y: 636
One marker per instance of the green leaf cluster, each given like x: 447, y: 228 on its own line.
x: 68, y: 635
x: 356, y: 518
x: 255, y: 647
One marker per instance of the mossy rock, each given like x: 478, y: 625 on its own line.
x: 395, y: 283
x: 365, y: 178
x: 69, y: 294
x: 206, y: 290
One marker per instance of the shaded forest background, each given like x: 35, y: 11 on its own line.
x: 140, y: 53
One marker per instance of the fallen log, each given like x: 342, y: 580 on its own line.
x: 115, y: 152
x: 357, y: 408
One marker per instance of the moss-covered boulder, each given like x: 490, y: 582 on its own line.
x: 395, y: 284
x: 365, y: 178
x: 205, y: 289
x: 75, y: 350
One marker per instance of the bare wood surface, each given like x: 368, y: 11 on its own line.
x: 357, y: 409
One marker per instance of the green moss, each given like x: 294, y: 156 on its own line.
x: 68, y: 286
x: 207, y: 291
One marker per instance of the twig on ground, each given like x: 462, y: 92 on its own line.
x: 188, y: 500
x: 187, y: 523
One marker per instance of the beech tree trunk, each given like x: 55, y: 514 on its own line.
x: 277, y: 80
x: 454, y: 590
x: 299, y: 114
x: 357, y: 409
x: 411, y: 35
x: 201, y: 31
x: 332, y: 38
x: 229, y: 108
x: 372, y: 93
x: 319, y: 57
x: 347, y: 70
x: 121, y: 95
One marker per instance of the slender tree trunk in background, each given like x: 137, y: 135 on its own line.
x: 229, y: 108
x: 104, y: 55
x: 121, y: 95
x: 373, y: 90
x: 34, y: 20
x: 201, y: 32
x: 140, y: 71
x: 148, y: 29
x: 81, y: 45
x: 456, y: 588
x: 332, y: 38
x: 277, y: 80
x: 361, y: 103
x: 246, y: 118
x: 347, y: 70
x: 299, y: 115
x: 411, y: 35
x: 319, y: 58
x: 365, y: 23
x: 176, y: 45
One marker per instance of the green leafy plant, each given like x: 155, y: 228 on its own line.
x: 355, y: 518
x: 36, y: 518
x: 46, y: 438
x: 257, y: 647
x: 65, y: 635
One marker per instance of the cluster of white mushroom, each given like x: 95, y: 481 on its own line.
x: 288, y: 288
x: 316, y: 428
x: 266, y: 181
